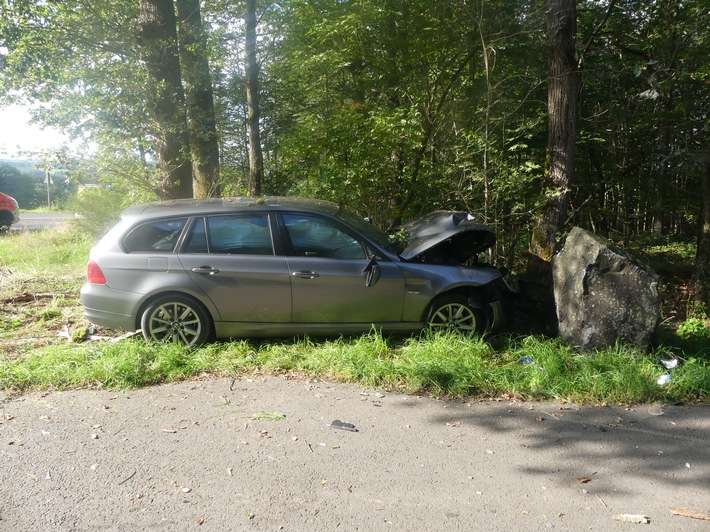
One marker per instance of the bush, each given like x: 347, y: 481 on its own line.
x: 97, y: 209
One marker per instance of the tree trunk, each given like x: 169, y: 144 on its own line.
x: 158, y: 41
x: 562, y: 94
x: 256, y: 160
x: 701, y: 273
x: 200, y: 102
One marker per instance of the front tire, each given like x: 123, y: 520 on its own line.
x: 177, y: 319
x: 455, y: 314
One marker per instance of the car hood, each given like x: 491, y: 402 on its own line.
x: 446, y: 236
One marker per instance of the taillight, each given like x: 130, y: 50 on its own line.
x: 94, y: 274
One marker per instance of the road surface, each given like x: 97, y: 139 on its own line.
x: 40, y: 220
x: 264, y: 453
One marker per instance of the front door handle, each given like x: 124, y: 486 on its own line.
x: 205, y: 269
x: 306, y: 274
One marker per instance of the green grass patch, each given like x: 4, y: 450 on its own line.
x: 530, y: 367
x: 57, y: 251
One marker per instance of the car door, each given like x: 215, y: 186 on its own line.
x: 327, y: 263
x: 230, y: 257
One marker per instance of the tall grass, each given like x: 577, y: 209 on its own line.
x: 60, y: 251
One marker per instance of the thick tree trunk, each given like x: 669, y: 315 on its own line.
x: 562, y: 94
x: 256, y: 160
x: 701, y: 274
x: 158, y: 35
x: 200, y: 102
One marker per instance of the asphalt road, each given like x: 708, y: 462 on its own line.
x: 33, y: 221
x: 265, y: 453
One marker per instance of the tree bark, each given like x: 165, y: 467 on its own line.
x: 562, y: 95
x: 158, y: 40
x: 200, y: 101
x: 256, y: 160
x: 701, y: 273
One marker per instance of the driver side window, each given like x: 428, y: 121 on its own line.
x: 314, y: 237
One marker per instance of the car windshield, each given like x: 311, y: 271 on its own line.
x: 377, y: 235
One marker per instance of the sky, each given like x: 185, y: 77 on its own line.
x: 17, y: 135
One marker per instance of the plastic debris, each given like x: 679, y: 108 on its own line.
x: 664, y: 379
x: 632, y: 518
x: 337, y: 424
x: 656, y: 410
x: 526, y: 361
x: 670, y: 363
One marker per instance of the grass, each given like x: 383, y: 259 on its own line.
x: 41, y: 273
x: 529, y: 367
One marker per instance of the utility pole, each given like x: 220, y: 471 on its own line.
x: 48, y: 181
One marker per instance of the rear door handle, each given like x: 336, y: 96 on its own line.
x: 306, y: 274
x: 205, y: 269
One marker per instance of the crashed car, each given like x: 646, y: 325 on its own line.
x: 9, y: 212
x: 189, y: 271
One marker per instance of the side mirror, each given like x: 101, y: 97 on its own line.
x: 373, y: 272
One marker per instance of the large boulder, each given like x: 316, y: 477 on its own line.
x: 602, y: 294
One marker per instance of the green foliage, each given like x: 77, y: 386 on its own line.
x: 380, y: 105
x: 59, y: 52
x: 97, y: 209
x: 20, y: 186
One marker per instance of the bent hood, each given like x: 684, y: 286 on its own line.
x: 446, y: 236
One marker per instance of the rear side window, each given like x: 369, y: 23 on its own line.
x: 231, y: 234
x: 156, y: 236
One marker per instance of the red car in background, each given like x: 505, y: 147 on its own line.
x: 9, y: 212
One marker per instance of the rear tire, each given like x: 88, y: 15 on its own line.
x: 455, y: 314
x: 5, y: 222
x: 177, y: 319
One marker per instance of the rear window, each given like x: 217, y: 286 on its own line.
x: 156, y: 236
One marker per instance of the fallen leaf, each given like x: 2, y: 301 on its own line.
x: 686, y: 512
x: 274, y: 416
x: 583, y: 480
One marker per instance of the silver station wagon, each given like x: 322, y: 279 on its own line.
x: 190, y: 271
